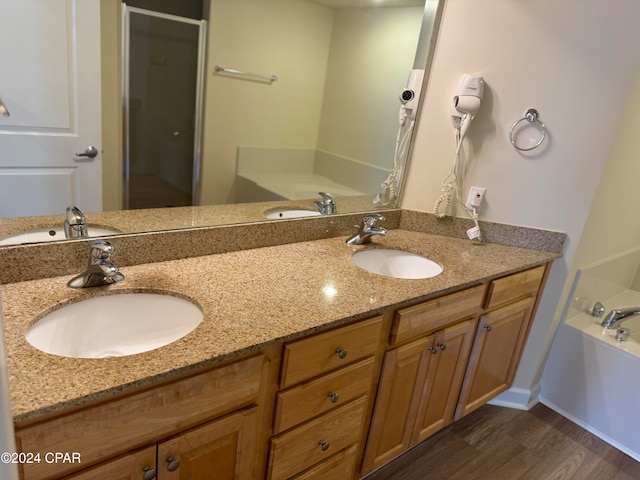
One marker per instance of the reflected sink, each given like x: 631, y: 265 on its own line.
x: 277, y: 213
x: 114, y: 325
x: 396, y: 263
x: 38, y: 235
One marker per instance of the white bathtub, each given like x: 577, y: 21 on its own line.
x: 594, y: 380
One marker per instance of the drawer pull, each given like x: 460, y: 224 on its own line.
x: 341, y: 353
x: 488, y: 328
x: 323, y: 445
x: 443, y: 346
x: 433, y: 350
x: 149, y: 473
x: 172, y: 464
x: 334, y: 397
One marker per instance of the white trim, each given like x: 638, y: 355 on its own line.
x: 518, y: 398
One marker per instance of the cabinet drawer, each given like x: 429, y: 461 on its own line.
x: 300, y: 448
x: 428, y: 316
x: 340, y: 466
x: 121, y: 425
x: 317, y: 396
x: 313, y: 356
x: 519, y: 285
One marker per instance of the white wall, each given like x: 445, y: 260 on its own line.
x: 574, y: 62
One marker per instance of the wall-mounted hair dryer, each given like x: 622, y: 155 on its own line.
x: 466, y: 103
x: 410, y: 96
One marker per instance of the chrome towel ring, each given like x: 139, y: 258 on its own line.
x: 530, y: 116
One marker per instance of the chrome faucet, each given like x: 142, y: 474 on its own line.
x: 100, y: 271
x: 367, y: 230
x: 617, y: 316
x: 327, y: 206
x: 75, y: 225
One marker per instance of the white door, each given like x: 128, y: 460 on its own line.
x: 50, y: 84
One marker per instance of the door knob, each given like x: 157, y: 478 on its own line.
x: 90, y: 152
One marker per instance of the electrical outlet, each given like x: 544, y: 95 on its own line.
x: 476, y: 195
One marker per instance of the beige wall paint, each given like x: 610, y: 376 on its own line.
x: 110, y: 28
x: 365, y: 50
x: 344, y: 48
x: 571, y: 60
x: 261, y: 38
x: 613, y: 224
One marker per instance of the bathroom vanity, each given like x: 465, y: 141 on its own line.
x: 305, y: 366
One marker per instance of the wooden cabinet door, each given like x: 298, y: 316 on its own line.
x: 495, y: 355
x: 222, y: 450
x: 447, y: 367
x: 132, y: 466
x: 401, y: 384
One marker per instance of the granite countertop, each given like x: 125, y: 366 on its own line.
x: 250, y: 299
x: 159, y: 219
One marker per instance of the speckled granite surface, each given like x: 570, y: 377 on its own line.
x: 160, y: 219
x: 250, y: 299
x: 30, y: 262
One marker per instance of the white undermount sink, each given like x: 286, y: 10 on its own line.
x: 396, y: 263
x: 39, y: 235
x: 115, y: 325
x: 277, y: 213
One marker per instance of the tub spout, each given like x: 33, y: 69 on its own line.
x: 617, y: 316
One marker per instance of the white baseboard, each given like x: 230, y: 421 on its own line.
x: 518, y: 398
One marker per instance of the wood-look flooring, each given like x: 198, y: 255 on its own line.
x: 495, y: 443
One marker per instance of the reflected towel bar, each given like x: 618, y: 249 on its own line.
x: 268, y: 78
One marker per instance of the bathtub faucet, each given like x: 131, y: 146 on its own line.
x: 616, y: 316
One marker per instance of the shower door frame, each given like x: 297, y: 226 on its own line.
x: 199, y: 100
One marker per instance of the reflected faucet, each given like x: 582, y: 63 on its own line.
x: 367, y: 230
x: 100, y: 271
x: 327, y: 206
x: 617, y: 316
x: 75, y: 225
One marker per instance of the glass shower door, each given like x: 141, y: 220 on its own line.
x: 163, y: 77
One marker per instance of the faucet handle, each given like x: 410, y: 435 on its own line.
x: 598, y: 310
x: 101, y: 250
x: 372, y: 218
x: 327, y: 199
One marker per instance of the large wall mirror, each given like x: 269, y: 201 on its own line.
x: 296, y: 97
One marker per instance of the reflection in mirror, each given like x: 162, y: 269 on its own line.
x: 315, y: 108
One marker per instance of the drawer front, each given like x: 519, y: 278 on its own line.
x: 118, y: 426
x: 304, y: 446
x: 339, y: 467
x: 519, y: 285
x: 313, y: 356
x: 434, y: 314
x: 325, y: 393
